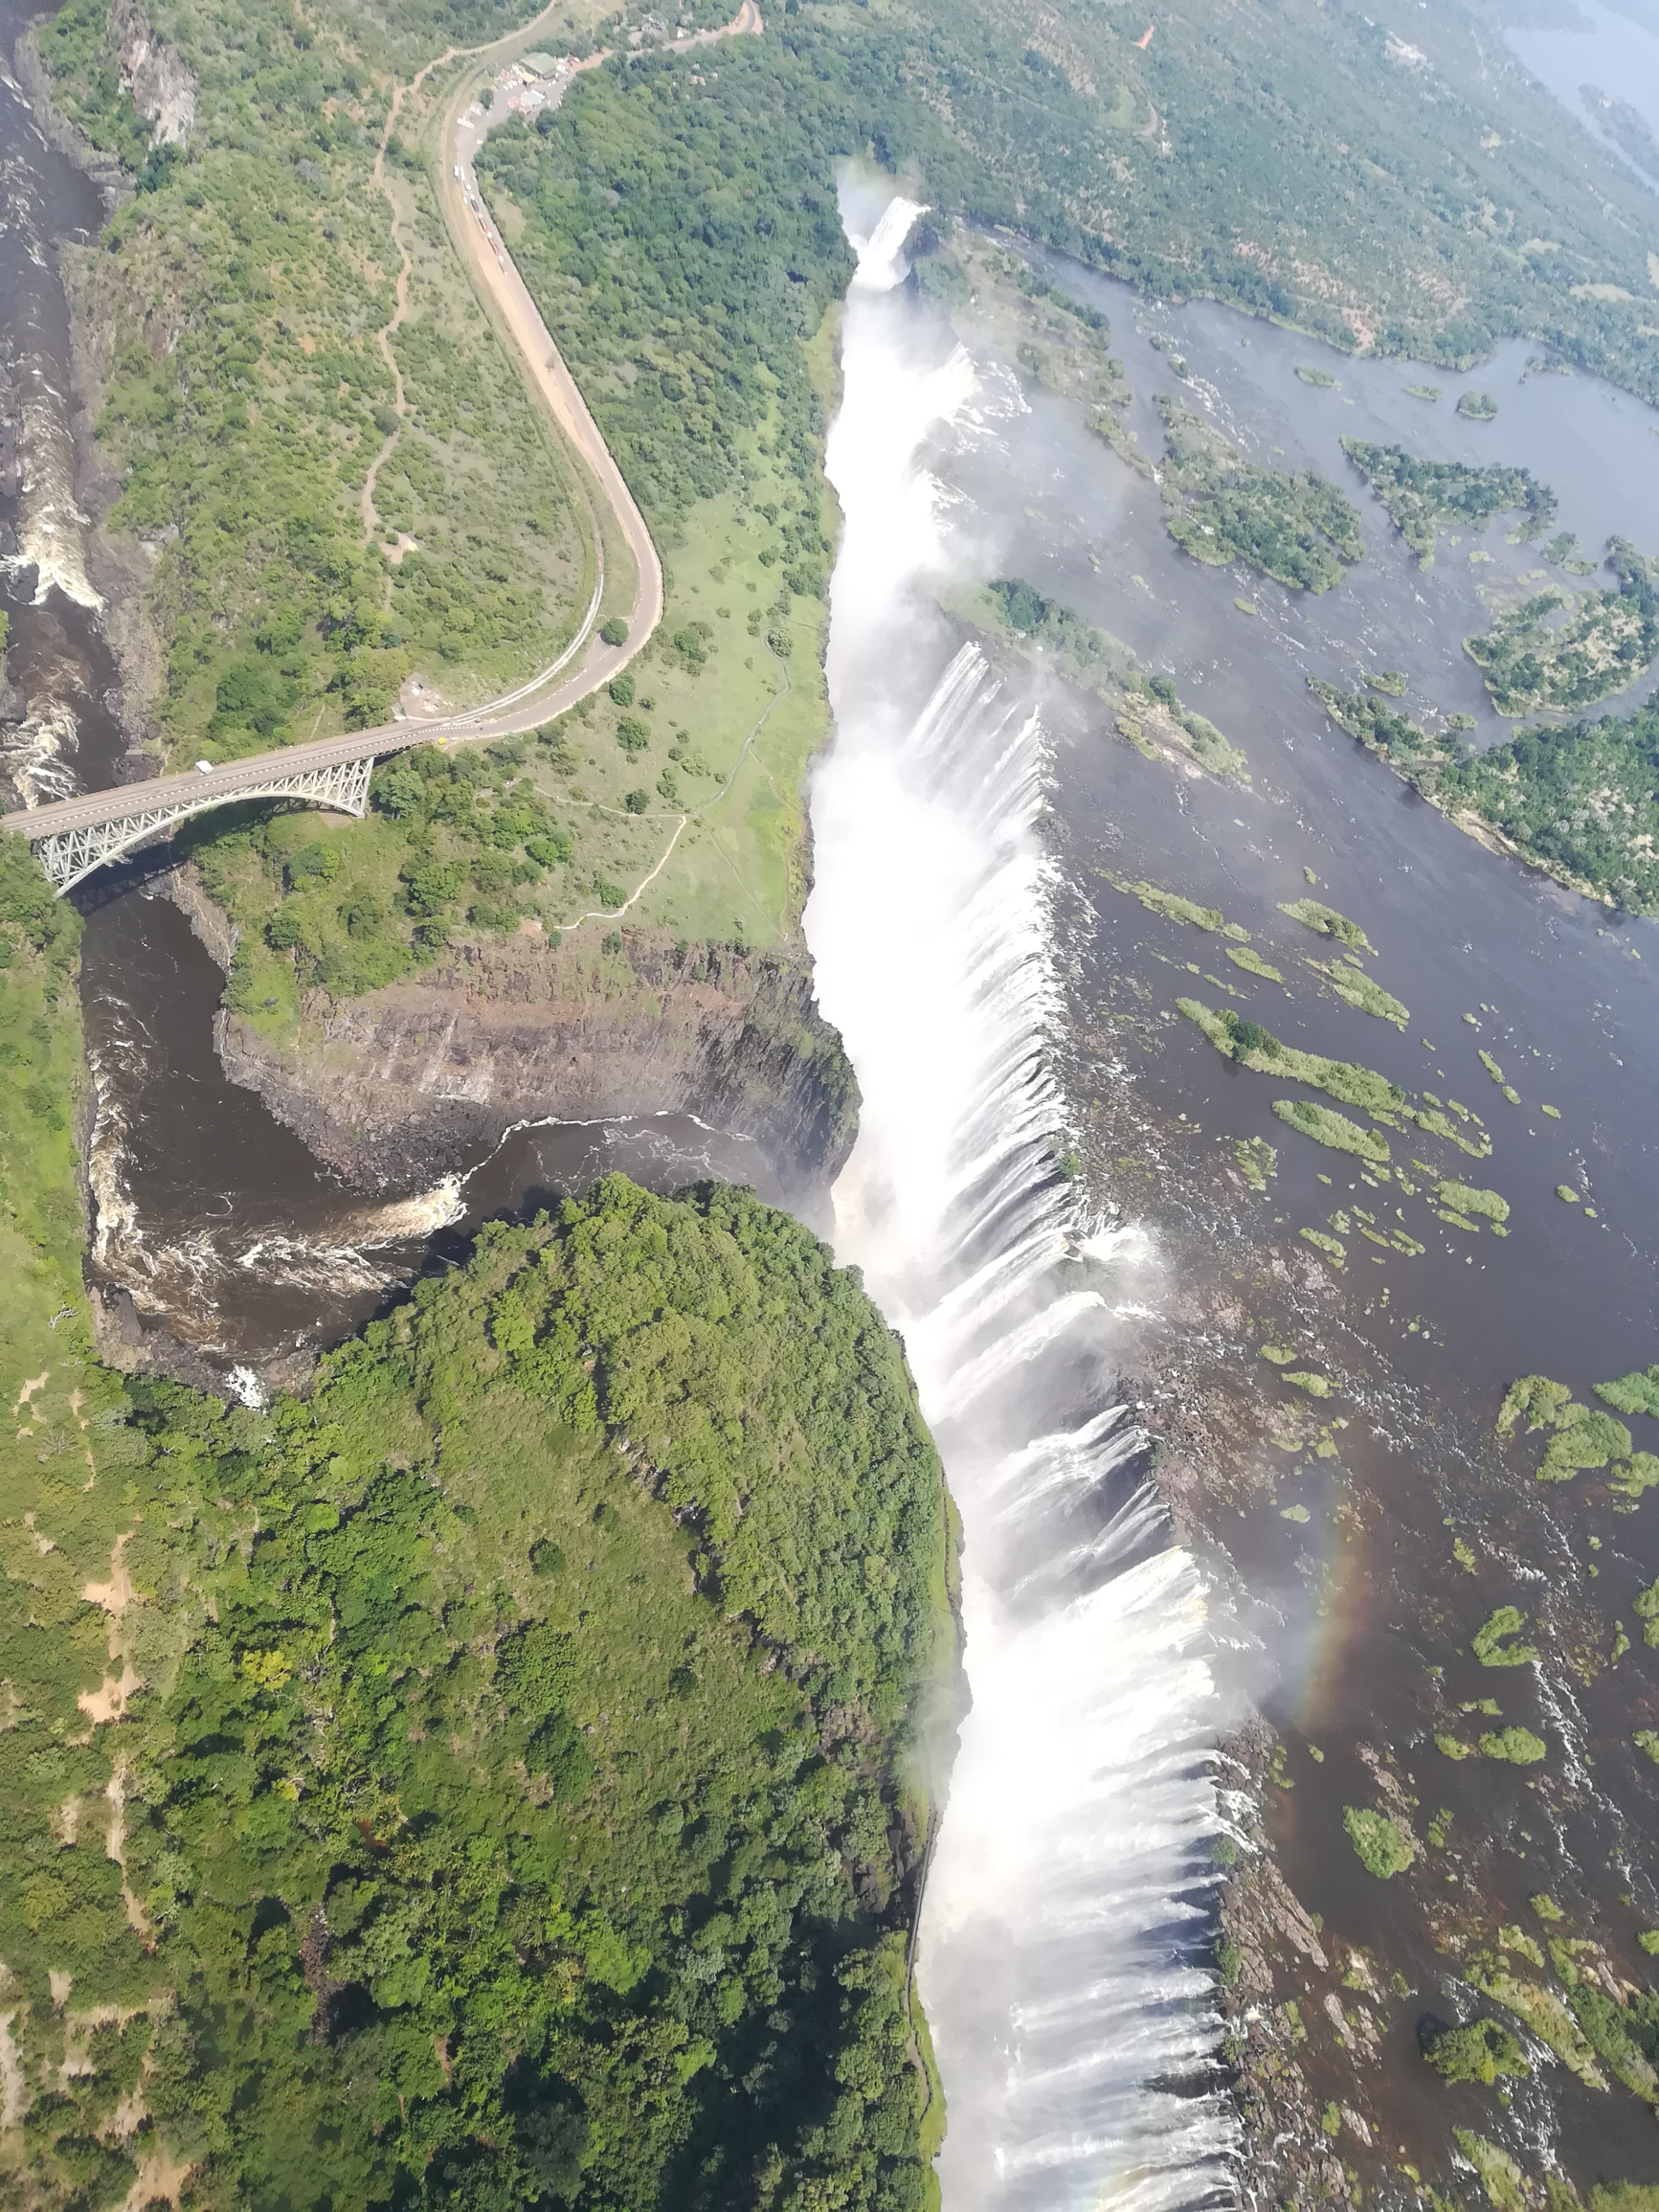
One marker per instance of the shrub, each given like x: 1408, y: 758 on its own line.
x: 1478, y: 2052
x: 1383, y: 1846
x: 621, y: 689
x: 314, y: 863
x: 1491, y: 1644
x: 631, y: 734
x: 284, y: 930
x: 1589, y: 1441
x: 430, y: 885
x: 1518, y: 1746
x: 614, y: 632
x: 1251, y: 1037
x: 1634, y: 1393
x: 637, y: 801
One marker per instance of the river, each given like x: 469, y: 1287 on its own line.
x: 1332, y: 1556
x: 1352, y: 1534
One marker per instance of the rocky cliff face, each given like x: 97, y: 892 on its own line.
x: 162, y: 88
x: 391, y: 1087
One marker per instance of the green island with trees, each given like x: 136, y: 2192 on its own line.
x: 1421, y: 495
x: 1576, y: 799
x: 499, y: 1776
x: 1288, y: 522
x: 1011, y: 613
x: 1564, y: 649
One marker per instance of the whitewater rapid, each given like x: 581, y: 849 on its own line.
x: 1065, y: 1932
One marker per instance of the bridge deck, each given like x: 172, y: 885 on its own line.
x: 527, y: 705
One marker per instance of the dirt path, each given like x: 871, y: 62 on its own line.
x: 400, y: 405
x: 599, y: 482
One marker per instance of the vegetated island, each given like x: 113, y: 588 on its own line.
x: 1290, y: 524
x: 1576, y: 799
x: 1420, y: 495
x: 1347, y: 1081
x: 1062, y: 343
x: 499, y: 1778
x: 1346, y: 975
x: 1150, y: 716
x: 1559, y: 649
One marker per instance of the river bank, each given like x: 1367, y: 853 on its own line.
x: 675, y: 1062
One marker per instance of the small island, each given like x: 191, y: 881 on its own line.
x: 1420, y: 495
x: 1290, y: 524
x: 1558, y: 648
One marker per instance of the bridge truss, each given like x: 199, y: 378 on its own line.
x: 70, y: 855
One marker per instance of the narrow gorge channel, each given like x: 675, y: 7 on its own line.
x: 1067, y: 1903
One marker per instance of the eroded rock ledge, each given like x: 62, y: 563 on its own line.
x: 393, y: 1088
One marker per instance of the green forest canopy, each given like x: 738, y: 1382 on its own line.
x: 497, y: 1776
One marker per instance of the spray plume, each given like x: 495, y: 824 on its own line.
x: 1066, y: 1909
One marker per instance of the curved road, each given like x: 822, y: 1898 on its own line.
x: 519, y: 320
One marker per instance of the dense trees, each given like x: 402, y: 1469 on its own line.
x: 1288, y: 522
x: 519, y: 1770
x: 235, y: 305
x: 1419, y: 494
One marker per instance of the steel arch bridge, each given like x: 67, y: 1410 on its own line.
x: 68, y: 855
x: 75, y: 837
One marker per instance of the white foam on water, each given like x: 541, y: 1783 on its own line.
x: 51, y: 527
x: 37, y: 755
x: 1065, y: 1922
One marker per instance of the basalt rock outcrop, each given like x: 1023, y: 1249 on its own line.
x: 393, y: 1088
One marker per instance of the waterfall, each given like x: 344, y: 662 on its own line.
x: 1061, y: 1945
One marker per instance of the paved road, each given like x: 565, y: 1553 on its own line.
x: 529, y: 705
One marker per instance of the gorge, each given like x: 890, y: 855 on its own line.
x: 1238, y: 1115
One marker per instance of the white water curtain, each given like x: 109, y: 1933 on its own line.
x: 1060, y: 1956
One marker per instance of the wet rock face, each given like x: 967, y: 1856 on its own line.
x: 389, y: 1087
